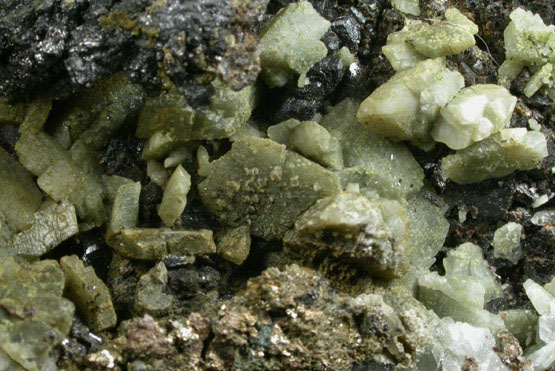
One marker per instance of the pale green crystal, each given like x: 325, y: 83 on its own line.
x: 528, y: 39
x: 260, y: 181
x: 157, y: 173
x: 309, y: 139
x: 111, y: 184
x: 406, y: 106
x: 541, y: 299
x: 174, y: 199
x: 407, y: 6
x: 474, y: 114
x: 522, y: 323
x: 351, y: 228
x: 456, y: 296
x: 61, y: 177
x: 125, y: 210
x: 88, y: 292
x: 52, y: 225
x: 19, y: 195
x: 176, y: 157
x: 506, y: 242
x: 496, y: 156
x: 420, y: 40
x: 290, y: 43
x: 467, y: 259
x: 427, y: 228
x: 370, y: 160
x: 544, y: 76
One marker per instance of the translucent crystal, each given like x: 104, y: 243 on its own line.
x: 506, y: 242
x: 174, y: 199
x: 406, y: 106
x: 474, y: 114
x: 372, y: 161
x: 290, y: 43
x: 541, y: 299
x: 467, y: 259
x: 496, y: 156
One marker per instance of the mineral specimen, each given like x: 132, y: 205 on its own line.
x: 496, y: 156
x: 149, y: 295
x: 260, y: 182
x: 290, y: 43
x: 34, y: 317
x: 506, y: 242
x: 474, y: 114
x: 406, y: 106
x: 175, y: 196
x: 89, y: 293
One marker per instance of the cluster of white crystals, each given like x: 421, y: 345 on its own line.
x: 542, y: 355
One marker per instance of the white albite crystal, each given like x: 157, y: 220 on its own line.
x: 543, y: 357
x: 546, y: 328
x: 458, y: 341
x: 506, y: 242
x: 473, y: 115
x: 541, y: 299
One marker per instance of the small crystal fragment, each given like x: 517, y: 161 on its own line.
x: 506, y: 242
x: 174, y: 199
x: 234, y: 244
x: 88, y: 292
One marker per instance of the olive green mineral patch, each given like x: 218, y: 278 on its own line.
x: 234, y: 244
x: 34, y: 316
x: 174, y: 199
x: 52, y: 225
x: 19, y: 195
x: 88, y: 292
x: 370, y: 160
x: 149, y: 295
x: 173, y: 119
x: 156, y: 243
x: 496, y: 156
x: 290, y: 43
x: 261, y: 182
x: 350, y: 228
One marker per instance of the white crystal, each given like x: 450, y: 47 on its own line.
x: 540, y: 298
x: 506, y: 242
x: 546, y: 328
x: 474, y: 114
